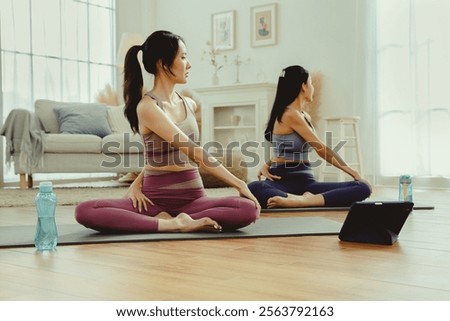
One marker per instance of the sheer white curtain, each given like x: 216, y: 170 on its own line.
x: 55, y: 49
x: 413, y: 61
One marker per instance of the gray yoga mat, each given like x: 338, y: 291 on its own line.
x: 328, y: 209
x: 23, y: 236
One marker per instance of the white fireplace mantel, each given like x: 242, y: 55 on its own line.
x: 235, y: 116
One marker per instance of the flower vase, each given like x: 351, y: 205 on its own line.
x: 215, y: 79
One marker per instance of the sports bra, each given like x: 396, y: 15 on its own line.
x: 159, y: 152
x: 291, y: 147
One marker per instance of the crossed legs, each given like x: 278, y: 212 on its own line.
x: 201, y: 215
x: 309, y: 193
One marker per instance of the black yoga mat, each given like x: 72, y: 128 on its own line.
x: 328, y: 209
x: 23, y: 236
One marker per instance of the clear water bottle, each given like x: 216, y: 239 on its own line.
x: 46, y: 236
x: 405, y: 188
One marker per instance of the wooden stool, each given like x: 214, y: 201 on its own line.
x: 343, y: 133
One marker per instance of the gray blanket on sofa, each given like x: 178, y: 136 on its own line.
x: 23, y: 135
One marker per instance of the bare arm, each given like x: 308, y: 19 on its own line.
x: 299, y: 125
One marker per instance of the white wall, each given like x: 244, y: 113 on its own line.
x: 324, y: 35
x: 318, y: 34
x: 136, y: 16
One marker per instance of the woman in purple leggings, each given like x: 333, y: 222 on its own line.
x: 290, y: 181
x: 168, y: 195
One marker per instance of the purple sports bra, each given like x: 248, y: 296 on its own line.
x: 159, y: 152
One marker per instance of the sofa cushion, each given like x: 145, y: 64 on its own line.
x: 122, y: 143
x: 44, y: 110
x: 83, y: 119
x: 69, y: 143
x: 117, y: 120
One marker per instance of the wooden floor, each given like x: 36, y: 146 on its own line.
x: 417, y: 267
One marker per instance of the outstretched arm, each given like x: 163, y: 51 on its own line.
x: 299, y: 124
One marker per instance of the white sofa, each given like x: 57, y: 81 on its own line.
x: 113, y: 148
x: 119, y: 151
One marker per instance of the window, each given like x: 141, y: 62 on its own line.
x: 413, y: 102
x: 55, y: 49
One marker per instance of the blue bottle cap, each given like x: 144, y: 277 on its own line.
x: 405, y: 178
x: 45, y: 187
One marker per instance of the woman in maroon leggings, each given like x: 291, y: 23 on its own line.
x: 168, y: 195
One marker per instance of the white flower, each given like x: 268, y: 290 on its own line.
x: 214, y: 57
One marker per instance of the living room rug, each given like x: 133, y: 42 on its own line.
x: 14, y: 197
x: 71, y: 234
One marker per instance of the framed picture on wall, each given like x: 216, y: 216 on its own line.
x: 223, y: 30
x: 263, y: 25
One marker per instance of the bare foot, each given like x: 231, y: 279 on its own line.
x: 308, y: 194
x: 184, y: 223
x: 289, y: 201
x: 292, y: 200
x: 164, y: 216
x: 187, y: 224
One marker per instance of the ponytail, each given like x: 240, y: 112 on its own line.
x: 132, y: 87
x: 288, y: 88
